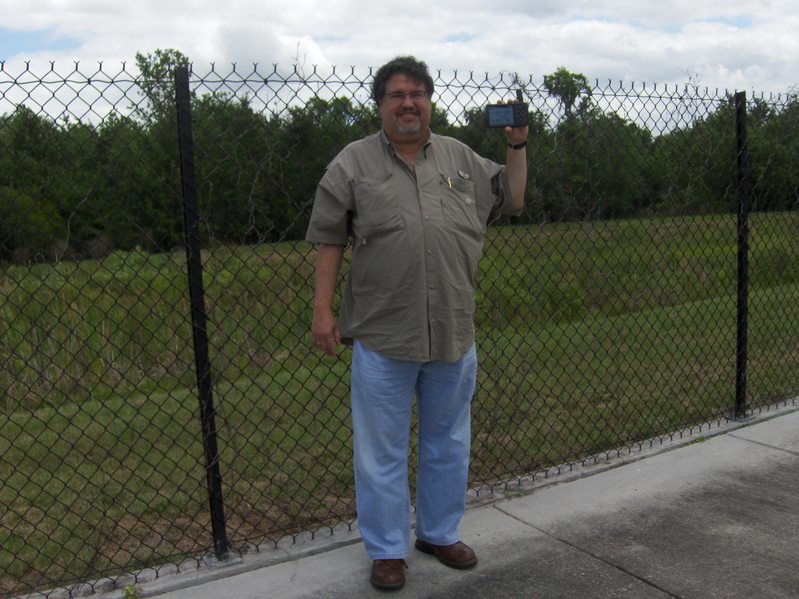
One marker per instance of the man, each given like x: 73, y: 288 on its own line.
x: 415, y: 205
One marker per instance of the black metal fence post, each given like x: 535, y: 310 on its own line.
x: 742, y: 161
x: 198, y: 315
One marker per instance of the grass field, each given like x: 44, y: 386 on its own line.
x: 591, y: 336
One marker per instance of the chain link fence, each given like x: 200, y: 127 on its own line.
x: 159, y: 395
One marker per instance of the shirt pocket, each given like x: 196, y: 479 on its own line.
x: 376, y: 207
x: 459, y: 205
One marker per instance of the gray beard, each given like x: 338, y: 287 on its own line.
x: 407, y: 129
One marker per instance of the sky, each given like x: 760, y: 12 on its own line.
x: 730, y: 45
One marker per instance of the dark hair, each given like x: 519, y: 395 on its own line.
x: 413, y: 69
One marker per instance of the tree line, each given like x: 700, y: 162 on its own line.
x: 70, y: 188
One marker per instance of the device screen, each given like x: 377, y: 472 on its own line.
x: 500, y: 116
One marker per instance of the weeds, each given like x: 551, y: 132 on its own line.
x: 591, y: 335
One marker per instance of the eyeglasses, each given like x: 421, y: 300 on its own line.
x: 415, y: 96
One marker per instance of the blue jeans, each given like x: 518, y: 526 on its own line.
x: 382, y: 400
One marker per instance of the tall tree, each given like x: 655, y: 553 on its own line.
x: 568, y: 88
x: 157, y: 79
x: 158, y: 215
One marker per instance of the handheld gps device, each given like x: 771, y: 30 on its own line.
x: 507, y: 115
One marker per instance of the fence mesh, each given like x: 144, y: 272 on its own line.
x: 606, y: 313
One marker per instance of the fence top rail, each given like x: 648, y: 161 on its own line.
x: 29, y: 71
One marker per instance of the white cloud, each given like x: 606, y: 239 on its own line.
x: 731, y: 44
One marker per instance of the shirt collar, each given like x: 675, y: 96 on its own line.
x: 390, y: 145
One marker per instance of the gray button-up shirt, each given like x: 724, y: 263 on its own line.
x: 417, y: 237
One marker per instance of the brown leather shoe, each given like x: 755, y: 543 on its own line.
x: 458, y: 555
x: 388, y: 574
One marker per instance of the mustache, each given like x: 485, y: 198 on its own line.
x: 408, y: 111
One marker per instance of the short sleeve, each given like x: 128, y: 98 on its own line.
x: 504, y: 201
x: 331, y: 208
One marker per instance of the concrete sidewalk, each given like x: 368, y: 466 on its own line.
x: 713, y: 516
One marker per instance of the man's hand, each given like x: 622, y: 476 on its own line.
x: 516, y: 163
x: 326, y: 334
x: 516, y: 135
x: 324, y: 326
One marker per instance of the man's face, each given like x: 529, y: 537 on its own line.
x: 405, y: 110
